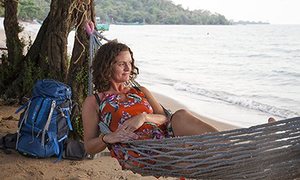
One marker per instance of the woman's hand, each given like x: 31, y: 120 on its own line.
x: 126, y: 131
x: 134, y: 122
x: 137, y: 121
x: 120, y: 135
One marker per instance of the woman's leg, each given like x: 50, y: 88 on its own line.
x: 184, y: 124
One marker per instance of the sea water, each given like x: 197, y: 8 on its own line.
x: 240, y: 74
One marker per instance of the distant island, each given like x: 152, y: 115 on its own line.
x: 248, y: 22
x: 134, y: 12
x: 154, y: 12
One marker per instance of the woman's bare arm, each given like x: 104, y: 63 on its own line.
x: 157, y: 108
x: 92, y: 142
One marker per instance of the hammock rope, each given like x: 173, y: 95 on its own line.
x: 95, y: 43
x: 267, y: 151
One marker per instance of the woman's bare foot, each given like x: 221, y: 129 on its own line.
x: 271, y: 120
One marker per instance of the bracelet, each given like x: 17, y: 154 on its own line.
x: 108, y: 145
x: 102, y: 138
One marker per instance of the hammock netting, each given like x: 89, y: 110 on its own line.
x: 268, y: 151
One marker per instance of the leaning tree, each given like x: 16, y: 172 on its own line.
x: 12, y: 65
x: 47, y: 56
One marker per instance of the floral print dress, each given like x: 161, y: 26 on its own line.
x: 114, y: 112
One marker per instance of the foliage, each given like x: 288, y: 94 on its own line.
x: 154, y: 12
x: 1, y: 8
x: 131, y: 11
x: 77, y: 125
x: 30, y: 9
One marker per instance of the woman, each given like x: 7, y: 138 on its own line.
x: 130, y: 113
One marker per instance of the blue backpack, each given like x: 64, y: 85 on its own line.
x: 45, y: 122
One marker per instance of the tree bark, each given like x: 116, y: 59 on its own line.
x: 78, y: 71
x: 12, y: 30
x: 49, y: 50
x: 11, y: 67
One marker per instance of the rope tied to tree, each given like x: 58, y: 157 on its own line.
x: 95, y: 43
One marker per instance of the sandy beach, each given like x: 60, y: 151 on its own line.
x: 16, y: 166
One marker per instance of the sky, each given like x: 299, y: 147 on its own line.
x: 272, y: 11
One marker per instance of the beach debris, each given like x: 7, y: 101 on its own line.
x: 10, y: 118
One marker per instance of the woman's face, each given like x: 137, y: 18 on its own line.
x: 122, y: 67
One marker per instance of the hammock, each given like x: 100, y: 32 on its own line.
x: 268, y: 151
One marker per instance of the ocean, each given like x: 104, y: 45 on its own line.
x: 240, y: 74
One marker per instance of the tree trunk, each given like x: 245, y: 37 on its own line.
x: 78, y: 72
x: 12, y: 30
x: 11, y: 67
x: 49, y: 50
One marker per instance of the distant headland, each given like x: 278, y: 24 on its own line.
x: 247, y: 22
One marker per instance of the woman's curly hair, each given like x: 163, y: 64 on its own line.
x: 103, y: 62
